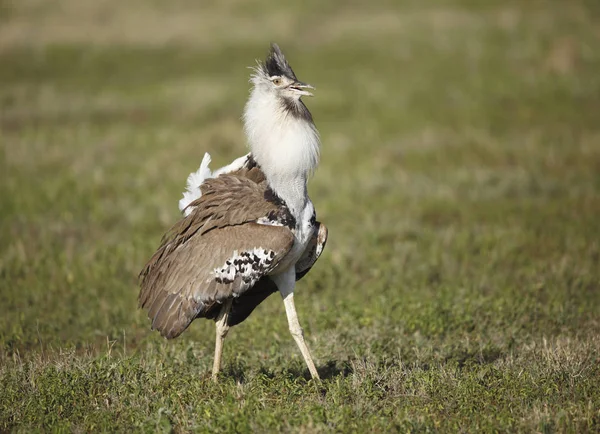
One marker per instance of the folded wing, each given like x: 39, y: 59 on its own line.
x: 218, y: 251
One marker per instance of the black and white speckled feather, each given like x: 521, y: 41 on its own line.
x: 250, y: 266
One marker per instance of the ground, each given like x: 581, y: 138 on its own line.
x: 459, y: 179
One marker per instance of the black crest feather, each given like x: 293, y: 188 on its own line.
x: 275, y: 63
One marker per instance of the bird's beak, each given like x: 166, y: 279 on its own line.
x: 299, y: 87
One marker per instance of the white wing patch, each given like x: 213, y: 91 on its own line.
x: 236, y: 164
x: 249, y: 266
x: 195, y: 180
x: 193, y: 185
x: 268, y: 222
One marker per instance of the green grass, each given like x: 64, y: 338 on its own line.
x: 460, y: 181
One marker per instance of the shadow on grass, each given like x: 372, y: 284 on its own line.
x: 235, y: 370
x: 334, y: 369
x: 464, y: 358
x: 459, y: 357
x: 331, y: 369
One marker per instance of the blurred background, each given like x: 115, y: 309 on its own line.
x: 460, y: 178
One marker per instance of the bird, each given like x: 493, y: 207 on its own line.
x: 248, y: 229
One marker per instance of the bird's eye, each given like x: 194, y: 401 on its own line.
x: 277, y: 81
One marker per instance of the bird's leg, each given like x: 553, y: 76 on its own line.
x: 222, y: 329
x: 296, y: 330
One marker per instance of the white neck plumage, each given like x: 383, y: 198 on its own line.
x: 285, y: 146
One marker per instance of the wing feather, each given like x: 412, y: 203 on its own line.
x: 209, y: 269
x: 215, y: 253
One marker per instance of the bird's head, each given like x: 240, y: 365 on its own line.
x: 281, y: 133
x: 276, y: 77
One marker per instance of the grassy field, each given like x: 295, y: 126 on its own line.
x: 460, y: 179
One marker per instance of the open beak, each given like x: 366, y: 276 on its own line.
x: 299, y: 87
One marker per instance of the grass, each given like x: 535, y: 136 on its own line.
x: 460, y: 180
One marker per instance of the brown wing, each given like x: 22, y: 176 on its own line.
x: 215, y: 253
x: 251, y: 170
x: 226, y: 200
x: 313, y: 251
